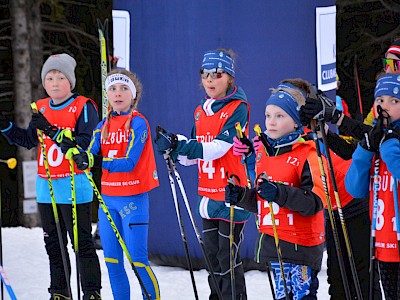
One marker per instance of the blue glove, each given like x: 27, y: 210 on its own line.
x: 166, y: 141
x: 267, y: 189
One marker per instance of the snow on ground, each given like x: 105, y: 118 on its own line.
x: 26, y: 265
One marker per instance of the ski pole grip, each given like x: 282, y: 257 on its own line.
x: 68, y: 134
x: 257, y: 129
x: 71, y: 152
x: 239, y: 130
x: 34, y: 107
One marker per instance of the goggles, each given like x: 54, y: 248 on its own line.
x: 214, y: 73
x: 393, y: 64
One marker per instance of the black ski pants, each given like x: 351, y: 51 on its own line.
x: 89, y: 270
x: 216, y: 240
x: 390, y: 277
x: 359, y: 231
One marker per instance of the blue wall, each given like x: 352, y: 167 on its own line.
x: 274, y: 40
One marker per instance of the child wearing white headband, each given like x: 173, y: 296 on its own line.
x: 121, y: 145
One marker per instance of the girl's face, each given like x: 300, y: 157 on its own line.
x: 216, y: 87
x: 120, y: 97
x: 57, y: 86
x: 278, y: 122
x: 390, y: 104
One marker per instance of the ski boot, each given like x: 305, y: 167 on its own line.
x: 95, y: 295
x: 57, y: 296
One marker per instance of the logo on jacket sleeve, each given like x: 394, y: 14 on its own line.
x: 143, y: 137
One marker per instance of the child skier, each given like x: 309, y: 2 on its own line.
x: 382, y: 141
x: 355, y: 213
x: 288, y: 175
x: 122, y: 147
x: 209, y: 148
x: 62, y: 110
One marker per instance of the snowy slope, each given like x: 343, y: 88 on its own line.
x: 26, y: 264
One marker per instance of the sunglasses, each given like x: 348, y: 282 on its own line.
x: 214, y: 73
x: 393, y: 64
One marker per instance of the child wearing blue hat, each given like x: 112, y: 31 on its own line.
x: 382, y: 141
x: 288, y: 175
x: 210, y: 149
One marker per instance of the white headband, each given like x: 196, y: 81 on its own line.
x: 120, y: 78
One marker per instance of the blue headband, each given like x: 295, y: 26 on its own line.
x: 287, y: 85
x: 218, y: 60
x: 388, y: 85
x: 288, y: 103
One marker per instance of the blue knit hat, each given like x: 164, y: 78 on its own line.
x: 388, y: 85
x: 218, y: 60
x: 288, y: 103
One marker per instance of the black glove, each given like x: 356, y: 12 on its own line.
x: 234, y: 193
x: 373, y: 138
x: 82, y: 160
x: 4, y: 123
x: 67, y: 144
x: 86, y: 160
x: 321, y: 108
x: 40, y: 122
x: 65, y: 140
x: 166, y: 141
x: 267, y: 189
x: 391, y: 133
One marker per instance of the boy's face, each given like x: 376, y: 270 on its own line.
x: 390, y: 104
x: 216, y: 87
x: 278, y: 122
x: 120, y: 97
x: 57, y: 86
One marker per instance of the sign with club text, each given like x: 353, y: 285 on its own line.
x: 326, y: 47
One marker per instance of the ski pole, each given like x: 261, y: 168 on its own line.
x: 199, y: 239
x: 103, y: 64
x: 373, y: 226
x: 53, y: 204
x: 180, y: 222
x: 240, y: 135
x: 340, y: 212
x: 375, y: 206
x: 11, y: 162
x: 121, y: 241
x: 68, y: 134
x: 271, y: 284
x: 396, y: 210
x: 257, y: 130
x: 232, y: 224
x: 4, y: 280
x: 330, y: 212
